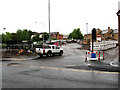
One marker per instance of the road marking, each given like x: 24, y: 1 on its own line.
x: 77, y: 70
x: 66, y: 69
x: 19, y: 59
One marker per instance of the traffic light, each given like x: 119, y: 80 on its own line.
x: 94, y: 34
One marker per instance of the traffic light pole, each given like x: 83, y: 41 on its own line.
x: 93, y: 37
x: 92, y: 45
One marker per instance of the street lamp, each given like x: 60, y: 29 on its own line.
x: 49, y: 17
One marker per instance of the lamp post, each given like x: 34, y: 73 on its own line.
x: 118, y: 14
x: 49, y: 17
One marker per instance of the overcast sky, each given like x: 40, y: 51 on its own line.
x: 66, y: 15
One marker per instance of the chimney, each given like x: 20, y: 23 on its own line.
x: 108, y: 29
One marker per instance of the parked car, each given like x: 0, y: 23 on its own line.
x: 49, y: 50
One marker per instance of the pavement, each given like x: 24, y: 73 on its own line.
x: 110, y: 65
x: 24, y: 57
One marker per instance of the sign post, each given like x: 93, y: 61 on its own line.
x: 93, y: 37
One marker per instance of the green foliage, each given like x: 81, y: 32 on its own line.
x: 76, y: 34
x: 23, y: 34
x: 46, y: 36
x: 18, y: 37
x: 3, y: 38
x: 36, y: 38
x: 53, y: 38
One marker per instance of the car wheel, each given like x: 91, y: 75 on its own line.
x: 41, y: 55
x: 49, y: 54
x: 61, y: 53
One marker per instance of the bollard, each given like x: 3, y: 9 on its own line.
x: 99, y: 57
x: 86, y: 57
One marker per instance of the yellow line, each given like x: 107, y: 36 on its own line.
x: 77, y: 70
x: 66, y: 69
x: 18, y: 59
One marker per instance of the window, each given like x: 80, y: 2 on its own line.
x: 56, y: 47
x: 52, y: 47
x: 49, y: 47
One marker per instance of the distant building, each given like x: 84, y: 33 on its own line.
x: 116, y: 34
x: 56, y: 35
x: 65, y: 37
x: 108, y: 34
x: 88, y: 37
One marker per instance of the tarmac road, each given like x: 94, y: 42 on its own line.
x: 52, y: 72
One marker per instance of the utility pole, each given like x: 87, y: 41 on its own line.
x: 49, y: 17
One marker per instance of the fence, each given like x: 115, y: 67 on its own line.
x: 104, y: 45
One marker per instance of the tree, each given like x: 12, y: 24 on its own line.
x: 23, y: 35
x: 46, y: 36
x: 76, y: 34
x: 36, y: 38
x: 3, y: 38
x: 18, y: 37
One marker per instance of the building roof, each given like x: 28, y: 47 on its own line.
x: 104, y: 31
x: 115, y: 30
x: 53, y: 33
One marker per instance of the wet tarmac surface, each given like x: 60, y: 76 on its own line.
x: 67, y: 71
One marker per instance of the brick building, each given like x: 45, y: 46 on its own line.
x: 108, y: 34
x: 56, y: 35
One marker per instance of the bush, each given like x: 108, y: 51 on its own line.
x: 53, y: 38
